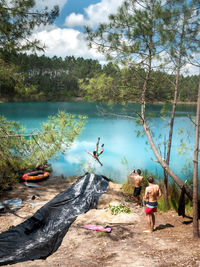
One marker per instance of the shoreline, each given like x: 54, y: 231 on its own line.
x: 80, y: 99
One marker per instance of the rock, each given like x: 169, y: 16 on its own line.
x: 104, y: 216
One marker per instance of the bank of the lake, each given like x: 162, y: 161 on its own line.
x: 127, y: 245
x: 74, y: 99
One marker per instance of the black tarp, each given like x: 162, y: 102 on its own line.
x: 181, y: 203
x: 42, y: 234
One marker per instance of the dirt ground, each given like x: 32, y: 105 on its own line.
x: 171, y: 244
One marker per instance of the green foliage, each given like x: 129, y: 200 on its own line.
x: 123, y: 87
x: 119, y: 209
x: 173, y: 198
x: 107, y: 88
x: 12, y: 81
x: 18, y: 18
x: 128, y: 187
x: 98, y: 88
x: 49, y: 78
x: 188, y: 88
x: 189, y: 208
x: 43, y: 78
x: 183, y: 26
x: 128, y: 33
x: 183, y: 147
x: 20, y: 151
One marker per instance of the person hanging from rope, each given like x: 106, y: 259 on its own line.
x: 97, y: 153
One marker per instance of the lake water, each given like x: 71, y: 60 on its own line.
x: 123, y: 149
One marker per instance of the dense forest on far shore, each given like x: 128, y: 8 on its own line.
x: 57, y: 79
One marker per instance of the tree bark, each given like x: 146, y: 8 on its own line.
x: 195, y: 171
x: 173, y: 110
x: 163, y: 163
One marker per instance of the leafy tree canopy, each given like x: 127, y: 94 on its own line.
x: 18, y: 18
x: 21, y: 151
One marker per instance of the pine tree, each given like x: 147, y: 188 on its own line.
x: 182, y: 26
x: 18, y: 18
x: 20, y: 151
x: 138, y: 33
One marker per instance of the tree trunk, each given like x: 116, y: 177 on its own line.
x: 159, y: 158
x: 165, y: 179
x: 195, y: 171
x: 173, y: 110
x: 165, y: 189
x: 163, y: 163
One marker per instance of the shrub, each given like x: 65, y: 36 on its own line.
x: 119, y: 209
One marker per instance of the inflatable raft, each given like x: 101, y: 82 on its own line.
x: 35, y: 176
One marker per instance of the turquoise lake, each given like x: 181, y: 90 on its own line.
x: 123, y: 150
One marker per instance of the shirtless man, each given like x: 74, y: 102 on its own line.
x: 152, y: 192
x: 137, y: 182
x: 97, y: 153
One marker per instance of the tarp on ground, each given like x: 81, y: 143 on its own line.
x: 42, y: 234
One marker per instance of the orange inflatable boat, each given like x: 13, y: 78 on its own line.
x: 35, y: 176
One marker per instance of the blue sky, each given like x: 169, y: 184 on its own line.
x: 66, y: 36
x: 73, y: 6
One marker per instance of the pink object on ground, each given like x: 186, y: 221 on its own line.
x: 98, y: 228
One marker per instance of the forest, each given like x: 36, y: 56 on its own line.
x: 57, y: 79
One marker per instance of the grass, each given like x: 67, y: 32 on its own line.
x: 173, y: 199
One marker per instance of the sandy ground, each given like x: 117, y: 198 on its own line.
x: 171, y: 244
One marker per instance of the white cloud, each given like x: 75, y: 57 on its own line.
x: 76, y: 154
x: 41, y: 4
x: 94, y: 14
x: 75, y: 19
x: 81, y: 145
x: 73, y: 159
x: 65, y: 42
x: 190, y: 69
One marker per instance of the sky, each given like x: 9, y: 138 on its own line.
x: 66, y: 36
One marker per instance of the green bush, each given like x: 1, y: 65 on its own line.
x: 173, y: 199
x: 119, y: 209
